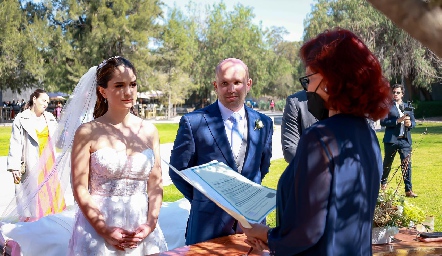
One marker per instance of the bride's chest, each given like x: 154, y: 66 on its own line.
x: 107, y: 163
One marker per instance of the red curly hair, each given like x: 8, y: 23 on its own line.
x: 352, y: 74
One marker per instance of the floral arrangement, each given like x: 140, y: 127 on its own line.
x: 392, y: 210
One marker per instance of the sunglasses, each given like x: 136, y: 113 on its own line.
x: 397, y: 92
x: 305, y: 80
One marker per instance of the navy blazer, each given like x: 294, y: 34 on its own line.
x: 392, y: 129
x: 202, y: 138
x: 327, y: 195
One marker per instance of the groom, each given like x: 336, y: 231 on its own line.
x: 226, y: 131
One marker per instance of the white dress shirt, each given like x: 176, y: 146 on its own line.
x: 228, y: 124
x: 401, y: 114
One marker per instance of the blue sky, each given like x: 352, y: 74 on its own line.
x: 282, y: 13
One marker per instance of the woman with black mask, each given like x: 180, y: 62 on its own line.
x: 326, y: 197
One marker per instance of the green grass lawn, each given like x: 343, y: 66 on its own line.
x: 167, y: 132
x: 426, y: 167
x: 5, y: 135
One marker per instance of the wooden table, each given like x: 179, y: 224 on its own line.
x: 233, y: 245
x: 404, y: 243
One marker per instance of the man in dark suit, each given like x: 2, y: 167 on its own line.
x: 397, y: 138
x: 302, y: 109
x: 244, y: 143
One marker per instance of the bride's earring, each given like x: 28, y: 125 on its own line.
x: 105, y: 101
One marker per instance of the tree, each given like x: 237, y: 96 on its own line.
x: 21, y: 65
x: 421, y: 19
x: 178, y: 41
x: 402, y: 57
x: 97, y: 30
x: 281, y: 62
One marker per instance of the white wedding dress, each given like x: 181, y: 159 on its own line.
x: 118, y: 185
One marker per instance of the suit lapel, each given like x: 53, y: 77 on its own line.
x: 28, y: 126
x: 215, y: 124
x: 252, y: 134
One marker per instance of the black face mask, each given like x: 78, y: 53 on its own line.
x: 316, y: 105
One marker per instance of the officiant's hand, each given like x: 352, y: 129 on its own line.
x: 257, y: 244
x: 256, y: 236
x: 257, y: 231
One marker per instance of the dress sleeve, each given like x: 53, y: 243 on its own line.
x: 304, y: 191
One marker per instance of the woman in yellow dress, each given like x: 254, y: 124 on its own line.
x: 30, y: 159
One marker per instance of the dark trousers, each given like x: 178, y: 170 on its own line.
x: 404, y: 148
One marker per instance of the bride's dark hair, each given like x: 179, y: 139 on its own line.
x: 105, y: 71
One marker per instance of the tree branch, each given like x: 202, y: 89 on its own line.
x: 417, y: 18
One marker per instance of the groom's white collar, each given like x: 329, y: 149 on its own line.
x: 226, y: 113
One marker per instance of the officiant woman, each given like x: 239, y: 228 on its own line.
x: 327, y: 195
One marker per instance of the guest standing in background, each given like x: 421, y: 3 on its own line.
x: 31, y: 135
x: 397, y: 138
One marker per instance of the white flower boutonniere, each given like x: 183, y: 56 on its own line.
x: 258, y: 124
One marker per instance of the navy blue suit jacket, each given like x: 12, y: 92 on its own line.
x: 327, y: 195
x: 202, y: 138
x: 392, y: 129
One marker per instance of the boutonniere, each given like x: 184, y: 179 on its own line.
x: 258, y: 124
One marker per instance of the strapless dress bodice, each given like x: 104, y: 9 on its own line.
x: 113, y: 173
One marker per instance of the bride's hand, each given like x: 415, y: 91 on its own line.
x: 120, y: 238
x: 143, y: 231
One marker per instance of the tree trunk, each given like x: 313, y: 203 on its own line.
x: 417, y: 18
x: 408, y: 83
x: 426, y: 93
x: 170, y: 106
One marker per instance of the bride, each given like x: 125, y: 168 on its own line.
x: 115, y: 163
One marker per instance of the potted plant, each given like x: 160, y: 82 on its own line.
x: 392, y: 212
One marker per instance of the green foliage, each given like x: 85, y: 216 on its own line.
x: 264, y: 105
x: 393, y: 210
x: 400, y: 55
x: 96, y: 30
x: 174, y: 59
x: 425, y: 109
x: 20, y: 41
x: 279, y: 105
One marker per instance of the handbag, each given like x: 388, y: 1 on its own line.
x: 23, y: 155
x: 23, y: 168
